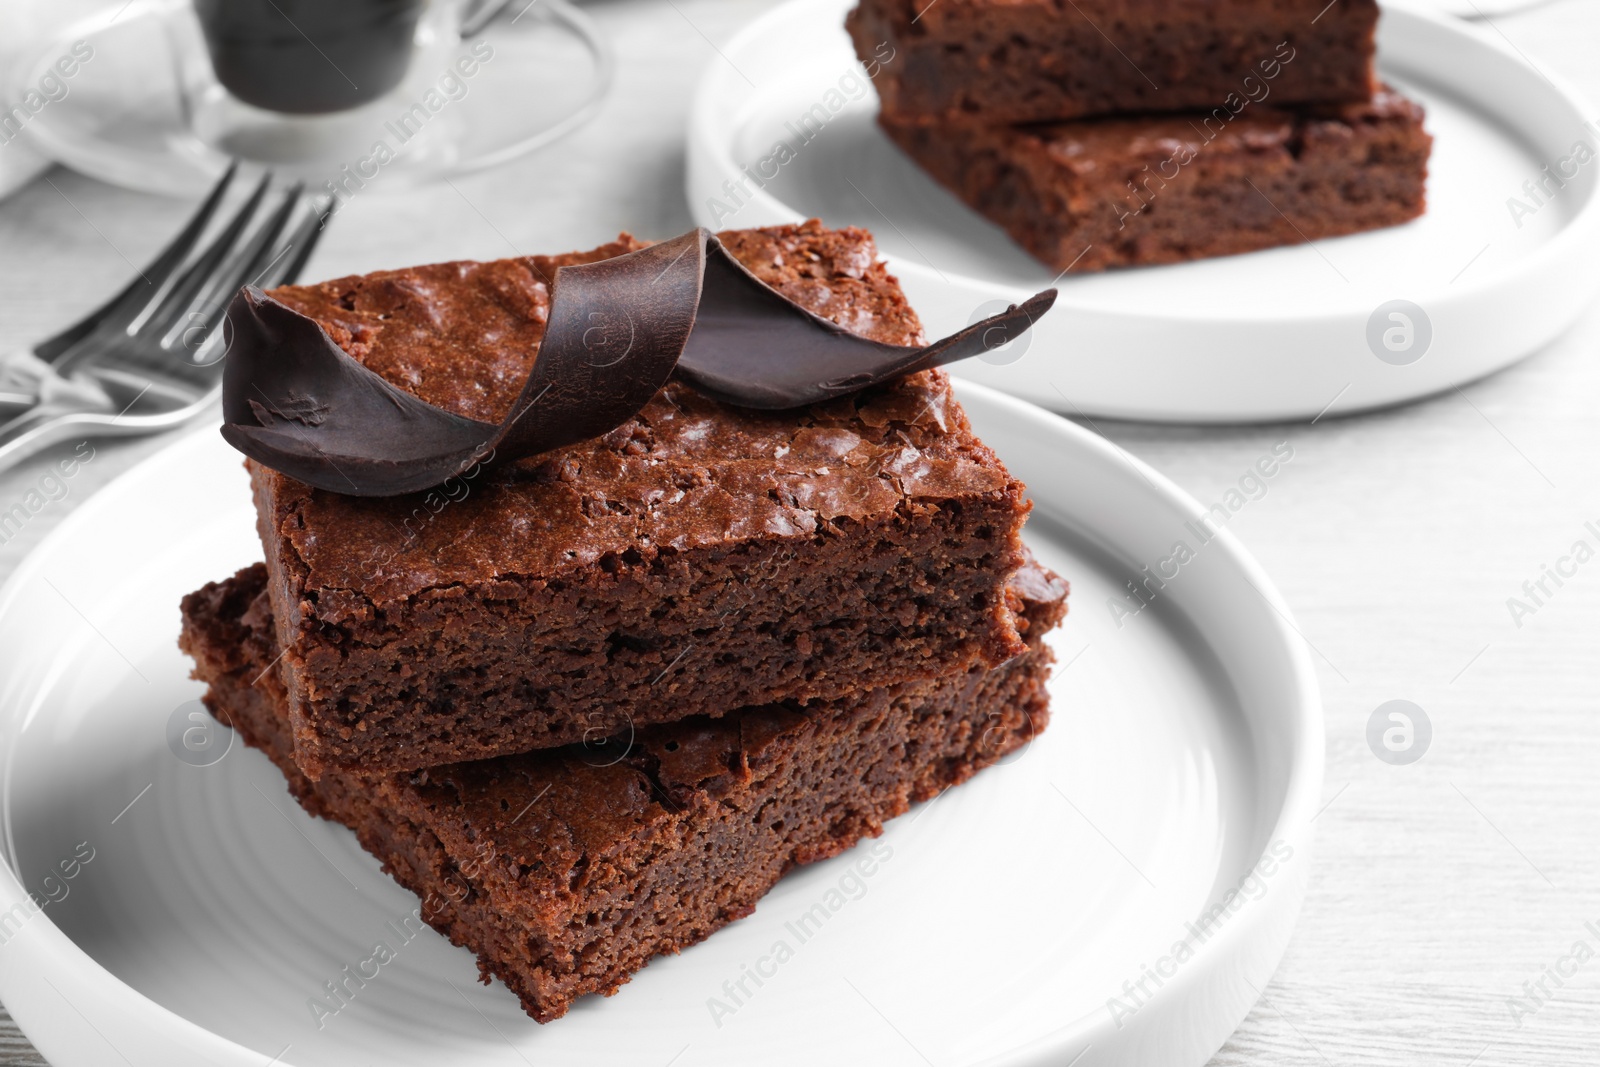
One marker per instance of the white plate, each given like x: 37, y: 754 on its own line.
x: 1187, y: 744
x: 1281, y: 333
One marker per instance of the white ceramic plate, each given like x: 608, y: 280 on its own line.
x: 997, y: 924
x: 1276, y: 334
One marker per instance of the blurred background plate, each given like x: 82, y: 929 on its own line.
x: 1277, y: 334
x: 1179, y: 779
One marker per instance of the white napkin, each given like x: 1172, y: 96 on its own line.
x: 20, y: 163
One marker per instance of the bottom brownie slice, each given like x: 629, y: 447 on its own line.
x: 1144, y: 189
x: 567, y: 869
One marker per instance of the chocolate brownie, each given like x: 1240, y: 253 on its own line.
x: 566, y: 870
x: 1008, y: 61
x: 1116, y: 192
x: 699, y: 557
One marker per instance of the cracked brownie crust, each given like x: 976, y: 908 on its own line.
x: 697, y: 558
x: 567, y: 870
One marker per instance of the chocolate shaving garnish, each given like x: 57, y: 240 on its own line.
x: 295, y: 401
x: 754, y: 347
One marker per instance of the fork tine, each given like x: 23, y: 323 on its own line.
x: 307, y: 236
x: 127, y: 303
x: 269, y: 252
x: 251, y: 264
x: 198, y: 275
x: 260, y: 254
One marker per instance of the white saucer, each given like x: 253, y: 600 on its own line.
x: 128, y: 113
x: 999, y: 921
x: 1481, y: 9
x: 1277, y: 334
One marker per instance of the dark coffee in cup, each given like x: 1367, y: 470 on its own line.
x: 309, y: 57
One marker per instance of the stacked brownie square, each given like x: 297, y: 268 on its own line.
x: 1107, y: 133
x: 590, y: 706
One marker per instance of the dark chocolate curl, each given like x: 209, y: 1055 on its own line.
x: 616, y: 330
x: 753, y: 347
x: 295, y: 401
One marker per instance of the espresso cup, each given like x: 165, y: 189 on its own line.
x: 309, y: 57
x: 316, y: 57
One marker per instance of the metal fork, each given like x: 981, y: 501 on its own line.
x: 150, y: 358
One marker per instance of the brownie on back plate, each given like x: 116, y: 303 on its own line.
x: 1116, y: 192
x: 566, y: 870
x: 698, y: 558
x: 1008, y: 61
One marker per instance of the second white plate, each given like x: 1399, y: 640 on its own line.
x: 1279, y: 334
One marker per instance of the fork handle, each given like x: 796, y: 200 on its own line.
x: 38, y: 407
x: 26, y: 382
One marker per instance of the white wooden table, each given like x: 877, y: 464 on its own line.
x: 1441, y: 887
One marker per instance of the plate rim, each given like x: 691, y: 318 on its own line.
x: 47, y: 946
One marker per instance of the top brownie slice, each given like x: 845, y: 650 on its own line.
x: 697, y: 559
x: 1009, y: 61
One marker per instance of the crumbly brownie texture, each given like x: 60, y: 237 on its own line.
x: 697, y: 558
x: 1007, y: 61
x: 567, y: 870
x: 1162, y: 189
